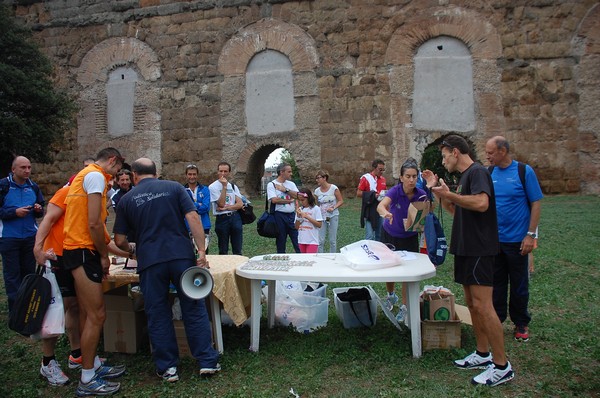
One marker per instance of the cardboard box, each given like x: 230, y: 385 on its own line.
x: 438, y: 307
x: 125, y: 330
x: 440, y: 334
x: 182, y: 344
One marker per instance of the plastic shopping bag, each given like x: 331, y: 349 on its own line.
x: 54, y: 320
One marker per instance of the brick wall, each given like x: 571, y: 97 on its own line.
x: 536, y: 72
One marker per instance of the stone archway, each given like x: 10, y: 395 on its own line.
x: 586, y: 45
x: 245, y: 151
x: 93, y: 75
x: 484, y: 44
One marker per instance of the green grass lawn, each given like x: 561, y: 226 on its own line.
x: 561, y: 359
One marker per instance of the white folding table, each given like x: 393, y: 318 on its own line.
x: 331, y: 267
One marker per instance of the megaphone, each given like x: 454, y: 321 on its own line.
x: 196, y: 283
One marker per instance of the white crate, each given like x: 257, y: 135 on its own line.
x: 305, y: 312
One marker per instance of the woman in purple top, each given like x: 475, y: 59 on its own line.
x: 394, y: 209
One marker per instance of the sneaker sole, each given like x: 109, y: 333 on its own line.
x: 521, y: 339
x: 502, y: 381
x: 55, y: 384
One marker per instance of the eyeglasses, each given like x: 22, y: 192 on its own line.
x: 302, y: 195
x: 191, y: 166
x: 381, y: 169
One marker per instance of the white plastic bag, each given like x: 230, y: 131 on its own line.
x: 54, y: 320
x: 369, y: 254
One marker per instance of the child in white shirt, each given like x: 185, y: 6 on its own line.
x: 308, y: 221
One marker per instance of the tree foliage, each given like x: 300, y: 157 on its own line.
x: 286, y: 157
x: 33, y: 113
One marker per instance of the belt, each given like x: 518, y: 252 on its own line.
x: 225, y: 214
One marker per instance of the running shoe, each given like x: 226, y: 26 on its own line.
x: 75, y: 363
x: 474, y: 361
x: 54, y: 374
x: 110, y: 372
x: 97, y: 386
x: 210, y: 371
x: 170, y: 375
x: 521, y: 333
x: 493, y: 376
x: 391, y: 300
x: 401, y: 316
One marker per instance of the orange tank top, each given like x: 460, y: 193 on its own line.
x: 77, y: 231
x: 56, y: 236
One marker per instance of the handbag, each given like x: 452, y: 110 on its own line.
x: 54, y: 320
x: 247, y: 214
x: 267, y: 225
x: 435, y: 238
x: 247, y: 211
x: 357, y: 295
x: 31, y: 303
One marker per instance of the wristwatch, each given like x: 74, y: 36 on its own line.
x: 287, y: 190
x: 532, y: 234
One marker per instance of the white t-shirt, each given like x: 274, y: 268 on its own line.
x: 273, y: 192
x: 94, y: 182
x: 327, y: 200
x: 308, y: 234
x: 215, y: 193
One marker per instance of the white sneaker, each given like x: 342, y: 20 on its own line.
x: 493, y: 376
x: 54, y: 374
x: 474, y: 361
x: 170, y: 375
x: 391, y: 300
x: 401, y: 317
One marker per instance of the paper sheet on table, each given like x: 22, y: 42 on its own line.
x: 406, y: 256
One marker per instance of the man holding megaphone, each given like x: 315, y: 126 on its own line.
x: 154, y: 212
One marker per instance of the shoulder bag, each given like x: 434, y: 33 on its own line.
x: 267, y: 225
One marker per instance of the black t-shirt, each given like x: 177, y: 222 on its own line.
x: 154, y: 211
x: 475, y: 233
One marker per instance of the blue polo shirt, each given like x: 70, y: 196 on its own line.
x: 153, y: 212
x: 512, y: 208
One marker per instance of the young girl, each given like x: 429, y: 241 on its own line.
x: 308, y: 221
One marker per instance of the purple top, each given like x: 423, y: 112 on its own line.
x: 399, y: 209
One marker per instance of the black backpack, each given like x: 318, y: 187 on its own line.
x: 31, y: 304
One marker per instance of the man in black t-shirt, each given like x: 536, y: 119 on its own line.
x: 474, y: 244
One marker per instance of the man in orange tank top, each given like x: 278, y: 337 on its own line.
x: 85, y: 254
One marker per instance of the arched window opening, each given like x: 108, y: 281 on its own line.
x: 269, y: 94
x: 443, y: 91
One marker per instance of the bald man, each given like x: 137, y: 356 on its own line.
x: 518, y: 207
x: 157, y: 208
x: 21, y: 202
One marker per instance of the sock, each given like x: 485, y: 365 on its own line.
x: 46, y: 360
x: 87, y: 375
x: 97, y: 362
x: 76, y: 353
x: 503, y: 367
x: 482, y: 354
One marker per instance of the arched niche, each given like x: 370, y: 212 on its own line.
x: 112, y: 58
x: 303, y: 139
x: 483, y: 43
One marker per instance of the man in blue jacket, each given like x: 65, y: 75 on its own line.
x: 21, y: 202
x: 200, y: 194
